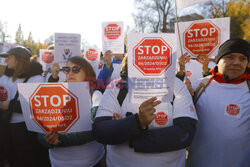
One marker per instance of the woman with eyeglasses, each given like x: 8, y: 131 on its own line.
x: 78, y: 148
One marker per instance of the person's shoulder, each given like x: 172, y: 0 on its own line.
x: 36, y: 79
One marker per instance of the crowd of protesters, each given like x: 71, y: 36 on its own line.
x: 210, y: 117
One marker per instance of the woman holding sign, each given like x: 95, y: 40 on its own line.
x: 150, y: 134
x: 77, y: 149
x: 22, y: 147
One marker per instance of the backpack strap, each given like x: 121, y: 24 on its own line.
x: 122, y: 94
x: 201, y: 88
x: 248, y: 84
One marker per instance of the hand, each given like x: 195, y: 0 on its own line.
x: 55, y: 68
x: 189, y: 86
x: 146, y: 111
x: 116, y: 116
x: 204, y: 60
x: 185, y: 58
x: 52, y: 138
x: 108, y: 58
x: 4, y: 105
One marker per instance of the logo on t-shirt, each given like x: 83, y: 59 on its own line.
x: 3, y: 94
x: 161, y: 118
x: 191, y: 108
x: 233, y: 109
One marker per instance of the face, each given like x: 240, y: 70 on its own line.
x: 74, y: 73
x: 233, y: 65
x: 12, y: 62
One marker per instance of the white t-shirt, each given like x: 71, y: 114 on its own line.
x: 85, y: 155
x: 12, y: 86
x: 122, y: 155
x: 223, y: 134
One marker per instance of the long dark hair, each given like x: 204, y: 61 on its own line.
x: 22, y: 66
x: 85, y: 65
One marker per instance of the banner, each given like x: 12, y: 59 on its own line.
x: 61, y: 107
x: 113, y: 37
x: 151, y: 66
x: 186, y: 3
x: 203, y: 36
x: 46, y: 58
x: 66, y: 46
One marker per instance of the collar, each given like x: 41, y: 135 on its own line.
x: 224, y: 79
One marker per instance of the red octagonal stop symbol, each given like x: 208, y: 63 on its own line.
x: 54, y: 107
x: 152, y: 56
x: 201, y: 37
x: 91, y: 54
x: 112, y: 31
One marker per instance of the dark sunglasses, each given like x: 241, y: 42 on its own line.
x: 75, y: 69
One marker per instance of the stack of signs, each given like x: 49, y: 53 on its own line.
x: 151, y: 66
x: 46, y: 58
x: 202, y: 37
x: 66, y: 46
x: 113, y: 37
x: 93, y: 57
x: 61, y: 107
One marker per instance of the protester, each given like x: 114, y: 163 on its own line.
x: 79, y: 148
x: 21, y: 146
x: 111, y: 68
x: 223, y: 109
x: 132, y: 133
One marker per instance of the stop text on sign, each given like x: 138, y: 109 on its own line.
x: 201, y: 37
x: 54, y: 107
x: 152, y: 56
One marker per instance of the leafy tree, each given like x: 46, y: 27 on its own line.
x: 30, y: 43
x: 239, y: 11
x: 19, y: 36
x: 50, y: 40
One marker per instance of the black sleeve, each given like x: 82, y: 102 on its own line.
x: 51, y: 79
x: 181, y: 77
x: 172, y: 138
x: 15, y: 106
x: 112, y: 132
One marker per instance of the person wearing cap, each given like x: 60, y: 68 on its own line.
x: 222, y: 138
x: 22, y: 148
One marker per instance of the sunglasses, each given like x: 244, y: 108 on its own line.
x: 75, y: 69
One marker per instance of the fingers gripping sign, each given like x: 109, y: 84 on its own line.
x: 146, y: 111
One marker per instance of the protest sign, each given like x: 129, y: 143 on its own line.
x: 61, y: 107
x: 113, y: 37
x: 203, y: 36
x: 151, y: 66
x: 93, y: 57
x: 46, y: 58
x: 66, y: 46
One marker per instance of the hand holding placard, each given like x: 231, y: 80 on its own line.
x: 146, y: 111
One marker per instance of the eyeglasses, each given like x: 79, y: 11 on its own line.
x: 75, y: 69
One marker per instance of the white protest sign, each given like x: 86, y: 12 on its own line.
x: 93, y: 57
x: 186, y: 3
x: 6, y: 93
x: 66, y: 46
x: 61, y: 107
x: 203, y: 36
x: 113, y: 37
x: 151, y: 66
x: 46, y: 58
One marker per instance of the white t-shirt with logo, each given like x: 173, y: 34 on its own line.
x: 223, y: 133
x: 12, y: 87
x: 88, y: 154
x: 122, y: 155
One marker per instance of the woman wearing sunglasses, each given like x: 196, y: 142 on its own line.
x: 79, y: 148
